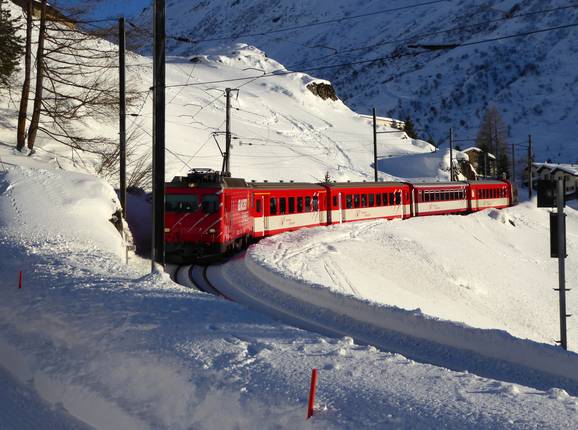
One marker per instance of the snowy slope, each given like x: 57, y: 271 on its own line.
x: 490, y: 269
x: 116, y: 347
x: 281, y: 130
x: 529, y: 79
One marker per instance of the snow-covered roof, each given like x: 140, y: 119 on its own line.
x: 476, y: 149
x: 571, y: 169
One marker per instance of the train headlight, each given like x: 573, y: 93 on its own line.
x: 212, y: 230
x: 167, y: 230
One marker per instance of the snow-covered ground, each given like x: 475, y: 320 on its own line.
x: 90, y: 339
x: 92, y: 342
x: 491, y: 269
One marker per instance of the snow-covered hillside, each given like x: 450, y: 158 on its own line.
x: 281, y: 130
x: 530, y: 79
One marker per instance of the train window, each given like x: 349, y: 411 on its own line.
x: 378, y: 200
x: 315, y: 203
x: 348, y: 201
x: 282, y: 205
x: 210, y: 203
x: 425, y: 197
x: 181, y: 202
x: 307, y: 204
x: 371, y: 200
x: 364, y: 200
x: 356, y: 200
x: 299, y: 204
x: 398, y: 197
x: 384, y: 199
x: 391, y: 199
x: 258, y: 206
x: 335, y: 201
x: 273, y: 206
x: 291, y: 205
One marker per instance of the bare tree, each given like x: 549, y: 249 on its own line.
x: 76, y: 82
x: 492, y: 138
x: 21, y: 133
x: 33, y: 129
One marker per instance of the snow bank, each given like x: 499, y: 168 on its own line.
x: 414, y: 277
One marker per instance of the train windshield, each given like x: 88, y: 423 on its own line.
x: 181, y: 203
x: 210, y: 203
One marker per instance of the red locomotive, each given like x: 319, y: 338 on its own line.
x: 209, y: 215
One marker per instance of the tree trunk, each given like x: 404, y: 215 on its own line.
x: 21, y: 134
x: 39, y: 79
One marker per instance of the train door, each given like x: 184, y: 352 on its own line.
x: 340, y: 208
x: 228, y: 218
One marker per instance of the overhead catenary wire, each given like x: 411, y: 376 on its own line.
x: 284, y: 72
x: 302, y: 26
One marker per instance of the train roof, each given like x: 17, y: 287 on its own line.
x: 285, y: 185
x: 439, y: 184
x: 488, y: 182
x: 206, y: 179
x: 366, y: 184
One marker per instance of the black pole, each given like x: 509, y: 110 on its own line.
x: 122, y: 112
x: 227, y: 160
x: 374, y: 146
x: 158, y: 248
x: 530, y: 174
x: 561, y: 257
x: 451, y: 154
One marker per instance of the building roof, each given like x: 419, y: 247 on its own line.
x: 476, y: 149
x: 571, y: 169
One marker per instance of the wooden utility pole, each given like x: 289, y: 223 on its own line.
x: 374, y: 146
x: 158, y: 221
x: 122, y: 112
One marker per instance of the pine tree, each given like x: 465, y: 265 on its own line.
x: 10, y: 46
x: 410, y: 128
x: 492, y: 139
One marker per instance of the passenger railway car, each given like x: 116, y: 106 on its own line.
x: 440, y: 198
x: 358, y: 201
x: 208, y: 215
x: 286, y: 206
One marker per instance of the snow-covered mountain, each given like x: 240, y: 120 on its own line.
x: 531, y: 79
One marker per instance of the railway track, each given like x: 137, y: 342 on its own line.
x: 197, y: 277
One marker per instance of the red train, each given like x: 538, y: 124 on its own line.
x: 208, y: 215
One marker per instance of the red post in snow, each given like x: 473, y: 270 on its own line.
x: 312, y: 393
x: 20, y: 281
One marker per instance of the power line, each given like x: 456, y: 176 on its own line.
x: 377, y: 59
x: 444, y: 31
x: 302, y: 26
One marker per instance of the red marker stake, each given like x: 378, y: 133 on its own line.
x: 20, y: 282
x: 312, y: 393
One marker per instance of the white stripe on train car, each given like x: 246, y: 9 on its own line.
x: 487, y: 203
x: 354, y: 214
x: 440, y: 206
x: 280, y: 222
